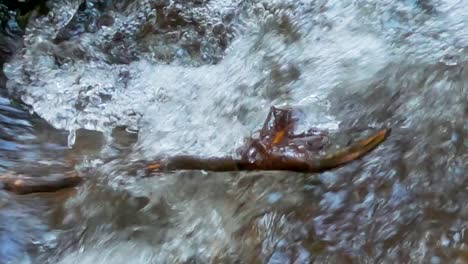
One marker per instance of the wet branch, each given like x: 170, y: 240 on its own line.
x: 21, y: 184
x: 280, y: 163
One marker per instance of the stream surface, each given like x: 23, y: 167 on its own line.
x: 100, y: 86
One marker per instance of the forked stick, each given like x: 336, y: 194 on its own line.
x: 279, y: 163
x: 21, y: 184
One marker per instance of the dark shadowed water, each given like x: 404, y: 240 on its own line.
x: 102, y: 85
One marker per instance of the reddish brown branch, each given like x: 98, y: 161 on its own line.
x: 334, y: 160
x: 21, y: 184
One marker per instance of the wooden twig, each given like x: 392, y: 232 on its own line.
x: 272, y: 162
x: 22, y: 184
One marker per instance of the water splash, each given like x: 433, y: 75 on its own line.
x: 345, y: 64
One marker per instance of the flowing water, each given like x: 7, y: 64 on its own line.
x: 104, y: 85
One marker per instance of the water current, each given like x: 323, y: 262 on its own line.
x: 101, y: 85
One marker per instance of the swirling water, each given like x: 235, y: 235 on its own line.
x: 165, y: 77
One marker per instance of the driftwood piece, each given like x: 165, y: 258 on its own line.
x: 280, y: 163
x: 22, y: 184
x: 277, y: 148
